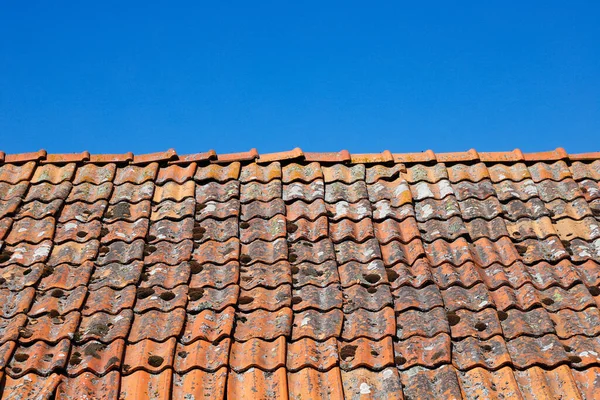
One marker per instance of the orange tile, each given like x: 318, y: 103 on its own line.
x: 209, y: 356
x: 262, y: 354
x: 257, y: 384
x: 260, y: 173
x: 304, y: 173
x: 144, y: 385
x: 200, y: 384
x: 307, y: 352
x: 311, y: 384
x: 89, y: 386
x: 366, y: 384
x: 149, y: 356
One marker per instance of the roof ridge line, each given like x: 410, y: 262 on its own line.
x: 344, y: 156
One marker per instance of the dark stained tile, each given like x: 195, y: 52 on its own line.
x: 374, y: 325
x: 265, y: 298
x: 104, y: 327
x: 308, y: 352
x: 423, y: 323
x: 89, y: 193
x: 109, y: 300
x: 265, y: 210
x: 116, y: 275
x: 211, y: 298
x: 58, y: 301
x: 422, y: 351
x: 219, y: 276
x: 158, y: 298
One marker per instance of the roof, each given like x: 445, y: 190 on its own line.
x: 308, y: 275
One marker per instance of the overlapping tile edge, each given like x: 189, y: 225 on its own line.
x: 300, y: 275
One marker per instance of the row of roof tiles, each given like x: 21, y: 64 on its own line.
x: 97, y: 174
x: 444, y: 381
x: 343, y: 156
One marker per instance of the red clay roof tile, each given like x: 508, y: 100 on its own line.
x: 460, y: 275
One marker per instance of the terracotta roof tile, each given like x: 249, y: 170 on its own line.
x: 308, y: 352
x: 263, y: 324
x: 208, y: 325
x: 213, y: 275
x: 149, y: 355
x: 376, y: 385
x: 459, y: 275
x: 12, y: 173
x: 207, y: 355
x: 259, y: 209
x: 305, y: 229
x: 442, y: 382
x: 40, y: 358
x: 157, y: 325
x: 317, y: 325
x: 423, y: 323
x: 88, y: 385
x: 96, y: 357
x: 49, y: 328
x: 255, y: 383
x: 305, y: 173
x: 200, y: 384
x: 104, y: 327
x: 147, y: 385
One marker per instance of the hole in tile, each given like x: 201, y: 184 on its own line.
x: 142, y: 293
x: 151, y: 238
x: 149, y: 249
x: 594, y: 291
x: 372, y: 278
x: 198, y: 232
x: 103, y: 231
x: 547, y: 301
x: 81, y: 234
x: 242, y: 319
x: 27, y: 272
x: 296, y: 300
x: 195, y: 267
x: 244, y: 225
x: 195, y: 294
x: 575, y: 359
x: 47, y: 271
x: 103, y: 250
x: 20, y: 357
x: 54, y: 314
x: 25, y: 333
x: 293, y: 257
x: 521, y: 249
x: 391, y: 275
x: 596, y: 212
x: 517, y: 234
x: 399, y: 360
x: 57, y: 293
x: 5, y: 255
x: 372, y: 290
x: 75, y: 358
x: 568, y: 349
x: 486, y: 347
x: 291, y: 227
x: 2, y: 281
x: 167, y: 296
x: 121, y: 210
x: 155, y: 361
x: 502, y: 316
x: 48, y: 357
x: 182, y: 354
x: 243, y: 300
x: 347, y: 352
x: 330, y: 214
x: 199, y: 207
x: 453, y: 319
x: 245, y: 259
x: 374, y: 353
x: 295, y: 270
x: 480, y: 326
x: 16, y: 370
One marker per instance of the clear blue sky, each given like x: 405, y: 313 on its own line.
x: 144, y: 76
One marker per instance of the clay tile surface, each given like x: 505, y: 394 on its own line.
x: 300, y: 275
